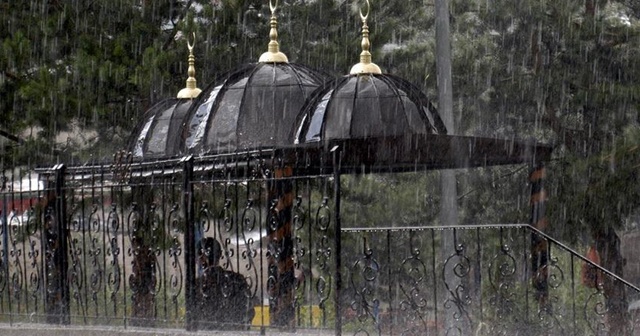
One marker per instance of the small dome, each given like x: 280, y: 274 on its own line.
x: 158, y: 135
x: 254, y: 106
x: 365, y: 106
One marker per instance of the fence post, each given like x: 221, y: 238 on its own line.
x: 337, y: 240
x: 57, y: 259
x: 189, y: 243
x: 539, y: 245
x: 281, y: 279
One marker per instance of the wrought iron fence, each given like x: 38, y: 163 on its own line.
x: 117, y: 244
x: 470, y: 280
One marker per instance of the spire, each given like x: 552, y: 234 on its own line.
x: 273, y: 55
x: 191, y: 91
x: 365, y: 66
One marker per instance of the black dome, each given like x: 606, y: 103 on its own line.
x: 366, y: 106
x: 159, y: 133
x: 252, y: 107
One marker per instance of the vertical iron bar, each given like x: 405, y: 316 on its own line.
x: 25, y: 273
x: 435, y: 279
x: 62, y: 261
x: 167, y: 196
x: 262, y: 225
x: 85, y: 274
x: 539, y: 246
x: 126, y: 230
x: 5, y: 247
x: 526, y: 272
x: 478, y: 276
x: 573, y: 296
x: 337, y: 240
x: 5, y: 240
x: 389, y: 270
x: 189, y: 242
x: 106, y: 225
x: 236, y: 200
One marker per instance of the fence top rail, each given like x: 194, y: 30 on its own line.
x: 492, y: 226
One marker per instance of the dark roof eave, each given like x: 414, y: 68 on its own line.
x: 417, y: 152
x: 355, y: 156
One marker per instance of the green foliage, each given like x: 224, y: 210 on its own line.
x: 554, y: 70
x: 602, y: 188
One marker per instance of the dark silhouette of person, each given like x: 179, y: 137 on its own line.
x: 223, y: 297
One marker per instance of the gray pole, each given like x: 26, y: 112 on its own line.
x: 448, y: 203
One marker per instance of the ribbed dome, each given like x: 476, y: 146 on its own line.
x: 252, y: 107
x: 159, y: 133
x: 367, y: 105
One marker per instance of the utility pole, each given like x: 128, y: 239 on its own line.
x: 448, y: 202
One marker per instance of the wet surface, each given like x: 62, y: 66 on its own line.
x: 49, y: 330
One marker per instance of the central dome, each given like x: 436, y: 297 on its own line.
x: 254, y: 106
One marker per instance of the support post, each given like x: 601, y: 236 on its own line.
x: 57, y: 261
x: 189, y: 244
x: 539, y: 246
x: 281, y: 282
x: 337, y: 239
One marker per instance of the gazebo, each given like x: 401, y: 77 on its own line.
x: 256, y: 160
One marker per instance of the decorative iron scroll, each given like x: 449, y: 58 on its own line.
x: 76, y: 252
x: 95, y: 256
x: 299, y: 253
x: 30, y: 228
x: 15, y: 253
x: 595, y: 311
x: 502, y: 277
x: 549, y: 319
x: 363, y: 279
x: 175, y: 275
x: 4, y: 267
x: 458, y: 294
x: 249, y: 253
x: 413, y: 302
x: 121, y: 167
x: 113, y: 252
x: 142, y: 279
x: 323, y: 253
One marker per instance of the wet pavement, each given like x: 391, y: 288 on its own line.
x: 29, y: 329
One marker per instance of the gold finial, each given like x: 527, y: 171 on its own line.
x: 191, y: 91
x: 365, y: 66
x: 273, y: 55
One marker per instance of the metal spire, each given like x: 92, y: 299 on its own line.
x: 273, y: 55
x: 365, y: 66
x: 191, y: 91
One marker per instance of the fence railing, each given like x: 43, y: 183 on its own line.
x: 472, y: 280
x: 116, y: 245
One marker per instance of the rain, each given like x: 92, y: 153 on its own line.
x: 320, y: 167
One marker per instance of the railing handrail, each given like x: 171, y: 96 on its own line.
x: 493, y: 226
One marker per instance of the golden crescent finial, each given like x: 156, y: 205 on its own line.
x: 190, y: 45
x: 365, y: 66
x: 191, y: 91
x: 365, y: 17
x: 273, y: 54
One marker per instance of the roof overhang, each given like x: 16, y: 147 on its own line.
x: 415, y: 153
x: 351, y: 156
